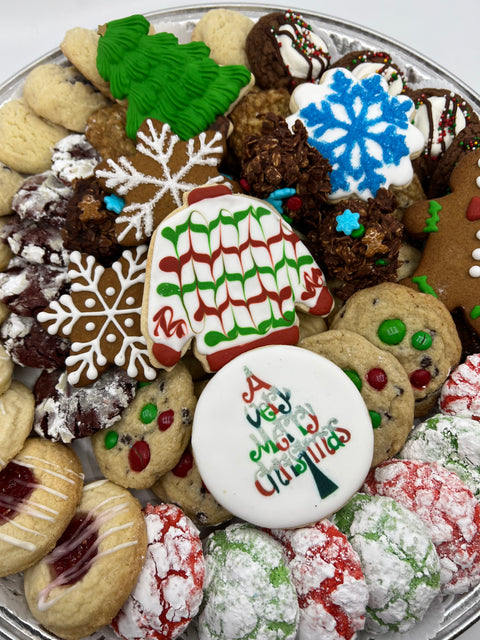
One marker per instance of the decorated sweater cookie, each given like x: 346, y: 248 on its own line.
x: 152, y: 433
x: 381, y: 380
x: 460, y: 395
x: 283, y: 51
x: 291, y: 437
x: 398, y: 559
x: 144, y: 68
x: 229, y: 271
x: 346, y: 119
x: 80, y: 586
x: 328, y: 577
x: 152, y: 182
x: 451, y: 225
x: 248, y: 588
x: 39, y: 492
x: 448, y: 509
x: 452, y: 441
x: 416, y: 328
x: 169, y: 589
x: 101, y: 317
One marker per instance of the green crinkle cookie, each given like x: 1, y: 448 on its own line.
x: 451, y: 441
x: 398, y: 559
x: 248, y: 593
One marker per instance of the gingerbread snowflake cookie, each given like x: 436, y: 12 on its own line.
x: 101, y: 317
x: 152, y: 182
x: 450, y: 263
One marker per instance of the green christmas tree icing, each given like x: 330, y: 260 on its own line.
x: 175, y: 83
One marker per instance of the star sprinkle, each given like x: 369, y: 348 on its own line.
x: 348, y: 222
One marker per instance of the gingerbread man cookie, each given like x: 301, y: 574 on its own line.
x: 450, y: 263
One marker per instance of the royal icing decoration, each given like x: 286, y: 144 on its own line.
x: 282, y: 437
x: 101, y: 317
x: 176, y: 83
x: 153, y: 181
x: 361, y: 129
x: 228, y: 271
x: 303, y: 52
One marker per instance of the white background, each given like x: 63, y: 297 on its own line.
x: 444, y: 32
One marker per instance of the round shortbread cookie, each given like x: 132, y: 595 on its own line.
x: 415, y: 327
x: 62, y: 95
x: 381, y: 380
x: 152, y: 433
x: 39, y: 492
x: 26, y: 140
x: 80, y: 586
x: 10, y: 181
x: 6, y: 370
x: 224, y: 32
x: 16, y: 410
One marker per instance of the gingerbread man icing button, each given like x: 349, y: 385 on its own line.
x: 282, y: 437
x: 450, y: 264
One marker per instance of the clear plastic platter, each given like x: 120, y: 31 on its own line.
x: 449, y: 617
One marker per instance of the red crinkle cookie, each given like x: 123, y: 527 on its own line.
x: 446, y: 506
x: 326, y: 571
x: 169, y: 589
x: 460, y: 394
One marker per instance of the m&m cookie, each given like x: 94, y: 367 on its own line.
x: 152, y: 433
x: 415, y: 327
x: 381, y: 380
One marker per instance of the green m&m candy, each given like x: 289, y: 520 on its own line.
x: 392, y: 331
x: 148, y: 413
x: 111, y: 439
x: 354, y: 377
x: 421, y: 341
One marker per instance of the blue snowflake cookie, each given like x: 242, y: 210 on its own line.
x: 363, y: 131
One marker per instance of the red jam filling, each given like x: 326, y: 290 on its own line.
x: 74, y: 551
x: 16, y: 485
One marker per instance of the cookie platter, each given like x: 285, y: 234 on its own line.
x: 452, y: 615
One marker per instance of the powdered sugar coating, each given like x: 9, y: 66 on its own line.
x: 398, y: 558
x: 453, y: 442
x: 448, y: 509
x: 74, y: 158
x: 64, y: 412
x: 169, y: 588
x: 42, y: 197
x: 460, y: 395
x: 248, y: 588
x: 328, y: 577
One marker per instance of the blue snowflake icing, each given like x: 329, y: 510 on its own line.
x: 358, y: 117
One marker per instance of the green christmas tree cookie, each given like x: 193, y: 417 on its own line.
x: 175, y: 83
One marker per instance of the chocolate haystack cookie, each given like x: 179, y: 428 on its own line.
x: 90, y: 226
x: 105, y: 131
x: 358, y: 242
x: 280, y: 159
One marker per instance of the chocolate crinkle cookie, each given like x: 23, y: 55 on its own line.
x: 280, y: 159
x: 64, y: 413
x: 74, y: 158
x: 27, y: 288
x: 89, y: 225
x: 30, y: 345
x: 358, y: 242
x: 42, y: 197
x: 37, y: 242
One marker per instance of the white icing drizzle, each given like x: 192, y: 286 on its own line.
x: 95, y: 521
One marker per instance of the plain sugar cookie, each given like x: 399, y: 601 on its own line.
x: 224, y: 32
x: 10, y: 182
x: 16, y: 418
x: 26, y: 140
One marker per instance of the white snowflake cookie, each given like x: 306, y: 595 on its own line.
x: 363, y: 131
